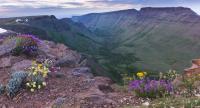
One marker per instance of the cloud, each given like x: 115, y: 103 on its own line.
x: 63, y: 3
x: 77, y: 7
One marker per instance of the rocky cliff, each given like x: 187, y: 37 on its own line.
x: 73, y: 86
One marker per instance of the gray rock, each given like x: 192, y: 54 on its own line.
x: 65, y: 61
x: 21, y: 65
x: 60, y: 101
x: 82, y: 71
x: 5, y: 62
x: 69, y: 60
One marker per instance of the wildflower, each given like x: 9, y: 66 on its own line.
x: 44, y: 75
x: 32, y: 90
x: 34, y: 73
x: 44, y: 83
x: 40, y: 66
x: 32, y: 67
x: 34, y: 86
x: 28, y: 84
x: 141, y: 74
x: 39, y: 86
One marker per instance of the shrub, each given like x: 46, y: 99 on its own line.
x: 2, y: 89
x: 19, y: 75
x: 13, y: 86
x: 15, y: 83
x: 26, y: 44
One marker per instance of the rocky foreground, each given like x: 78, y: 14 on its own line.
x: 72, y: 87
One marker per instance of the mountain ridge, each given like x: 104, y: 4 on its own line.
x: 151, y: 34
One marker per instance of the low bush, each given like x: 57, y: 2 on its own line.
x: 15, y: 83
x: 26, y: 44
x: 2, y: 89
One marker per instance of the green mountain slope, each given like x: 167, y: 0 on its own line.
x: 155, y: 39
x: 50, y: 28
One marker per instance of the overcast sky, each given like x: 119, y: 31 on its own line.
x: 68, y: 8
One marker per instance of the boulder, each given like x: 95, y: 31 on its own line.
x: 60, y: 52
x: 82, y: 71
x: 99, y: 80
x: 94, y: 98
x: 194, y: 69
x: 5, y: 62
x: 68, y: 60
x: 58, y: 103
x: 24, y: 64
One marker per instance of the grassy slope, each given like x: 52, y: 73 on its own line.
x: 157, y: 42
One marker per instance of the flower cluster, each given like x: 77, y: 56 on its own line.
x: 37, y: 74
x: 151, y: 88
x: 26, y: 44
x: 169, y: 75
x: 141, y: 75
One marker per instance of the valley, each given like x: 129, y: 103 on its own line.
x: 126, y: 41
x: 158, y: 39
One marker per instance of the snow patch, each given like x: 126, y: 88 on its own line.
x: 2, y: 30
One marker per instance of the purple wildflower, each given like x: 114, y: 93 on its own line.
x: 30, y: 36
x: 151, y: 88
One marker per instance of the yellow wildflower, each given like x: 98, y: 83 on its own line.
x: 44, y: 75
x: 34, y: 73
x: 40, y: 66
x: 34, y: 86
x: 141, y: 74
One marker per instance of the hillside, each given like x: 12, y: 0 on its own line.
x: 156, y: 39
x: 51, y: 28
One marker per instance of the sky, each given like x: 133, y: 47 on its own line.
x: 68, y: 8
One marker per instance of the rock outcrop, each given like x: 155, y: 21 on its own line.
x: 73, y: 86
x: 194, y: 69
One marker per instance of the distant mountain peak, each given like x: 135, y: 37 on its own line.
x: 170, y: 10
